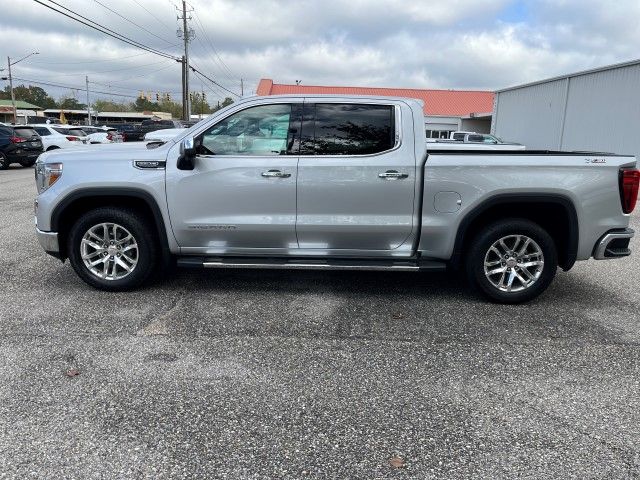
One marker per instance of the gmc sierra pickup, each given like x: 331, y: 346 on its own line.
x: 331, y: 182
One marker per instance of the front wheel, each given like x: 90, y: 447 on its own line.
x: 113, y: 248
x: 512, y: 261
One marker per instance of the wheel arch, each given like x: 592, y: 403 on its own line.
x: 556, y: 213
x: 86, y: 199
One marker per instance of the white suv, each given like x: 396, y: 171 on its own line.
x: 56, y: 137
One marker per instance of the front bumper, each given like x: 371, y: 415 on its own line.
x: 49, y: 241
x: 613, y: 244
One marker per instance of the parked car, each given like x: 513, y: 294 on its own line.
x: 353, y: 187
x: 475, y: 137
x: 102, y: 135
x: 151, y: 125
x: 125, y: 130
x: 163, y: 135
x: 72, y: 131
x: 53, y: 137
x: 19, y: 144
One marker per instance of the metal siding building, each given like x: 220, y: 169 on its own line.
x: 596, y: 109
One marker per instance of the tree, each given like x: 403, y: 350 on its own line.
x: 142, y: 105
x: 175, y: 109
x: 32, y: 94
x: 70, y: 103
x: 109, y: 106
x: 199, y: 104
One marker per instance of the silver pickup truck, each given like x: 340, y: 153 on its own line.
x: 331, y: 182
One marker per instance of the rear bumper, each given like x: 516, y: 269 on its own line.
x: 613, y: 244
x: 49, y: 242
x: 23, y: 155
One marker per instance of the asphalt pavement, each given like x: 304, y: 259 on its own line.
x: 287, y: 374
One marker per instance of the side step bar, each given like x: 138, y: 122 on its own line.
x: 411, y: 265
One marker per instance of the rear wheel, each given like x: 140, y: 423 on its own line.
x: 113, y: 248
x: 4, y: 161
x: 512, y: 261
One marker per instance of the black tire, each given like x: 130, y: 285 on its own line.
x: 487, y: 237
x: 140, y: 228
x: 52, y: 148
x: 4, y: 161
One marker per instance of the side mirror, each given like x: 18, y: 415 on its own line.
x: 186, y: 160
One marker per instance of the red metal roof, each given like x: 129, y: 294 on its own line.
x: 436, y: 102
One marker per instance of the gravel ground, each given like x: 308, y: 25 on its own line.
x: 266, y: 374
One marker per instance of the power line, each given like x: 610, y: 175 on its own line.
x: 119, y: 59
x: 113, y: 70
x: 151, y: 13
x: 102, y: 29
x: 71, y: 87
x: 214, y: 82
x: 134, y: 23
x: 211, y: 89
x: 130, y: 89
x: 144, y: 74
x: 204, y: 32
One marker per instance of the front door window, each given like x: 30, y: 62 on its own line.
x: 257, y: 131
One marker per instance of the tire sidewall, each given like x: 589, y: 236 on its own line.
x: 136, y: 225
x: 4, y: 161
x: 495, y: 231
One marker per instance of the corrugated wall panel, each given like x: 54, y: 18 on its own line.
x: 531, y: 115
x: 603, y: 112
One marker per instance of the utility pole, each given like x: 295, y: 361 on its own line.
x: 186, y: 34
x: 184, y: 102
x: 241, y: 88
x: 13, y: 97
x: 88, y: 104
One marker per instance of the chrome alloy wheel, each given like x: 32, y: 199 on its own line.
x: 109, y: 251
x: 513, y: 263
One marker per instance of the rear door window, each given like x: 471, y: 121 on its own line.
x: 42, y: 131
x: 347, y: 129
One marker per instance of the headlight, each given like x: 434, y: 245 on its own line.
x: 47, y: 174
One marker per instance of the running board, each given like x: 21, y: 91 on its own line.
x: 411, y: 265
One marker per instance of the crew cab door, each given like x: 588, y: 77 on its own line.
x: 241, y: 195
x: 356, y: 178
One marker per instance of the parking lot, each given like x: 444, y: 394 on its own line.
x: 267, y: 374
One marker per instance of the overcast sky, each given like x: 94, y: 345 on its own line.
x: 456, y: 44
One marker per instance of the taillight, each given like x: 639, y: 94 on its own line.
x: 73, y: 139
x: 629, y: 183
x: 17, y: 139
x: 124, y: 136
x: 109, y: 136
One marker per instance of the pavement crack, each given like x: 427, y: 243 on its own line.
x: 159, y: 325
x: 625, y: 456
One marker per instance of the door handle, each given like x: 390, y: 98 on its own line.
x: 392, y: 175
x: 276, y: 174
